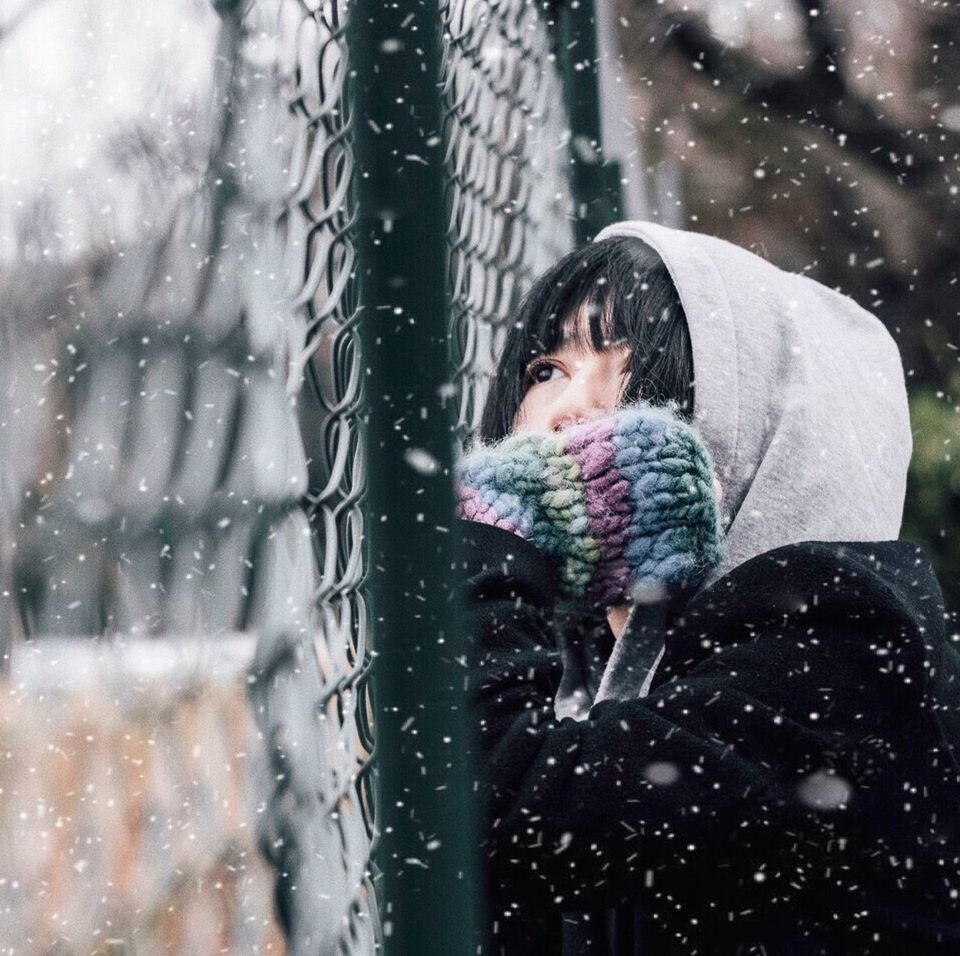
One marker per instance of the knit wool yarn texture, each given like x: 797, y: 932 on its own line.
x: 626, y: 501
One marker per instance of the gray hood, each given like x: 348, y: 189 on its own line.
x: 799, y: 397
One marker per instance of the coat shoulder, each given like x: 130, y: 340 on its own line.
x: 883, y: 590
x: 845, y: 578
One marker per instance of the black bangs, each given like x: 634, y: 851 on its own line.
x: 614, y: 291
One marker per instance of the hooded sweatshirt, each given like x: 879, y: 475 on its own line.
x: 780, y: 772
x: 799, y: 397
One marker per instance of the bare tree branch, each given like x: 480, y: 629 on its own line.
x: 821, y: 38
x: 819, y: 94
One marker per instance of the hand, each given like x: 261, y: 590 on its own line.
x: 628, y: 501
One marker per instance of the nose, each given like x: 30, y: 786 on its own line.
x: 582, y: 400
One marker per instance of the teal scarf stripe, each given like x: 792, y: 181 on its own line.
x: 565, y: 525
x: 554, y: 518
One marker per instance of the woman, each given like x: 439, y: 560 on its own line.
x: 729, y: 725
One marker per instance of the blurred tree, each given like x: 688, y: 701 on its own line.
x: 826, y: 137
x: 932, y: 515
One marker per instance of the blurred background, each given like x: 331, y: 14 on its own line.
x: 181, y: 384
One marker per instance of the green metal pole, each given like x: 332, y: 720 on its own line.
x: 594, y: 182
x: 427, y: 842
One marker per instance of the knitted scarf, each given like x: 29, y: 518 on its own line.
x: 626, y: 501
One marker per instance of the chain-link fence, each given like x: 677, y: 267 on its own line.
x: 509, y: 202
x: 159, y: 507
x: 194, y: 462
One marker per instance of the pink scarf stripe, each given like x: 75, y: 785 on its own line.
x: 473, y: 509
x: 607, y: 501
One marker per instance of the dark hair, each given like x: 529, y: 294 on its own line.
x: 629, y: 296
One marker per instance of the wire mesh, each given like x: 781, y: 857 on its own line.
x: 167, y: 503
x: 509, y: 212
x: 174, y: 504
x: 506, y: 143
x: 204, y: 361
x: 317, y: 694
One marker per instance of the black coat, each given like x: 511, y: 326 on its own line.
x: 789, y: 786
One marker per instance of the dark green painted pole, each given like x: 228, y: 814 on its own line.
x: 594, y: 182
x: 427, y: 844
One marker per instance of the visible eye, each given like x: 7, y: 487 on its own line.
x: 540, y: 371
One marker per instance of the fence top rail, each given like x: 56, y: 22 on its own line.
x: 80, y: 663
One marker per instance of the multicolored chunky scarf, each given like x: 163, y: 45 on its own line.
x: 626, y: 501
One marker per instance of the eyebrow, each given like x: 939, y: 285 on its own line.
x: 588, y: 346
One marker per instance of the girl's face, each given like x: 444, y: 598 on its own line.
x: 571, y: 384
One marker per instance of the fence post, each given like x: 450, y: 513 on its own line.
x: 594, y: 181
x: 426, y: 844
